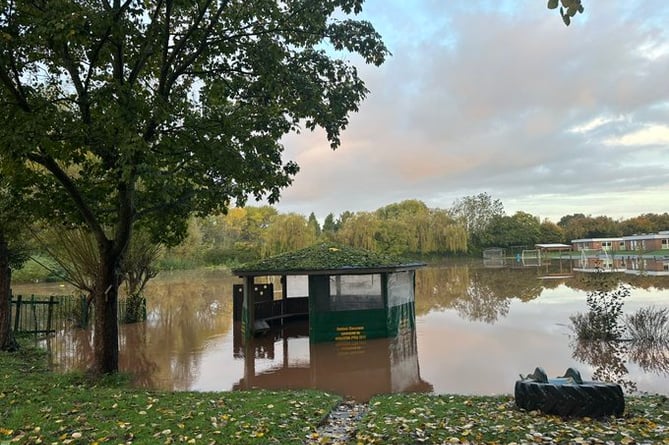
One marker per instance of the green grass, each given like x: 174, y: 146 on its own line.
x: 420, y: 418
x: 38, y: 406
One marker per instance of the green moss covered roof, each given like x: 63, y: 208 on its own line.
x: 325, y: 257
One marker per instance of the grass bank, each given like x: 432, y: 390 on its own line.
x: 421, y: 418
x: 38, y: 406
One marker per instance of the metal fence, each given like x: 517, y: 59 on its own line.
x: 40, y: 314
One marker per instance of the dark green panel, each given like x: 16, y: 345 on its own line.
x: 348, y: 325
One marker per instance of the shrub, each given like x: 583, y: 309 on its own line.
x: 603, y: 319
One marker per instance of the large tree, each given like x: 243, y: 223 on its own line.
x: 13, y: 223
x: 129, y: 113
x: 476, y: 212
x: 521, y: 229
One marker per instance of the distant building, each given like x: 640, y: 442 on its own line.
x: 607, y: 244
x: 653, y: 241
x: 636, y: 253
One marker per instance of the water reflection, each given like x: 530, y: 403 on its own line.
x: 650, y: 356
x: 477, y: 294
x: 476, y: 330
x: 612, y: 359
x: 183, y: 311
x: 608, y: 359
x: 357, y: 370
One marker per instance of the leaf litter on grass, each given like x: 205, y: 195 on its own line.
x: 420, y: 418
x: 37, y: 406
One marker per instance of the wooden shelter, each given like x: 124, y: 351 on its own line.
x: 347, y: 294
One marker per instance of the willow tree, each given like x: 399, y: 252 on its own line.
x: 130, y: 113
x: 287, y: 232
x: 360, y: 230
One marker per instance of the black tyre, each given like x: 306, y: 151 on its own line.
x: 589, y: 399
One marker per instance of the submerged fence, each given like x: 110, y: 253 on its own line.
x: 40, y: 314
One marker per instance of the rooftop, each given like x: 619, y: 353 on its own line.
x: 326, y: 258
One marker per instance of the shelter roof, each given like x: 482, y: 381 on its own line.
x: 553, y: 246
x: 326, y: 258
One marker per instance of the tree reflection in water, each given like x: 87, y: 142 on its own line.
x: 610, y: 359
x: 477, y: 294
x: 184, y: 310
x: 651, y: 356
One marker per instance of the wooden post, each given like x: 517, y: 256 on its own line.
x: 248, y: 308
x: 284, y: 296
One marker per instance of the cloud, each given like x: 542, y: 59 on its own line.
x: 505, y: 100
x: 594, y: 124
x: 648, y: 135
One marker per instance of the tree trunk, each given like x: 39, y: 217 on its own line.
x: 105, y: 298
x: 7, y: 340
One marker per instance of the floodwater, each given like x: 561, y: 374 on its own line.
x: 477, y: 329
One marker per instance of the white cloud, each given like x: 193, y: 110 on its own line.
x: 654, y: 50
x: 649, y: 135
x: 595, y: 123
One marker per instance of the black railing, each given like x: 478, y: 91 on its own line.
x: 39, y: 314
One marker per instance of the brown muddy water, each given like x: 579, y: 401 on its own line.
x: 477, y: 329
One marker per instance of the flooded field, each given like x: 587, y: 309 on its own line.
x: 477, y: 329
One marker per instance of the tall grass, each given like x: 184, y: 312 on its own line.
x: 649, y: 324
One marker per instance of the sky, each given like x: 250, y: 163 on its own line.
x: 500, y: 97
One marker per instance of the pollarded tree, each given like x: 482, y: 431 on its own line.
x: 127, y: 113
x: 73, y: 249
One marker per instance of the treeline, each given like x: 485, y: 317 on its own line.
x: 410, y: 227
x: 245, y: 234
x: 522, y: 229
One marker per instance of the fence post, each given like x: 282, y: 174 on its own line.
x: 11, y: 301
x: 18, y: 313
x: 49, y: 315
x: 33, y: 307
